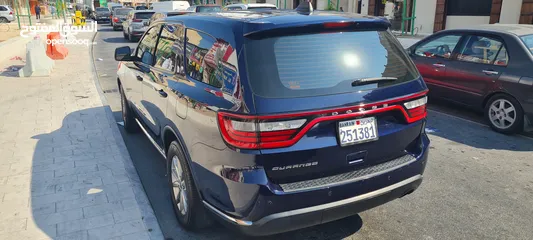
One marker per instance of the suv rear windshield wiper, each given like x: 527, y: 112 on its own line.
x: 364, y: 81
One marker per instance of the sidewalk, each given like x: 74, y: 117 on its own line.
x: 65, y: 172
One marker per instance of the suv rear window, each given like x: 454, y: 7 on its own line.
x: 146, y: 15
x: 124, y: 11
x: 323, y: 64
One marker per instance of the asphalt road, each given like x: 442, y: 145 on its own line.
x: 478, y: 183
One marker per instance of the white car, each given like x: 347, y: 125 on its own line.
x: 6, y: 14
x: 250, y: 6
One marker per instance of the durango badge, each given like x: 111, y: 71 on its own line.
x: 303, y: 165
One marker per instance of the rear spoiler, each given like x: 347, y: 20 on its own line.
x: 376, y: 24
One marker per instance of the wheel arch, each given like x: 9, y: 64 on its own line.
x: 169, y: 135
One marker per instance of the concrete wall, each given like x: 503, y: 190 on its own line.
x: 510, y: 13
x: 465, y: 21
x: 425, y: 16
x: 364, y: 7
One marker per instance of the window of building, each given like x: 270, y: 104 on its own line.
x: 169, y: 53
x: 468, y: 7
x: 480, y: 49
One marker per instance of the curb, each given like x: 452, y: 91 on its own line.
x: 149, y: 218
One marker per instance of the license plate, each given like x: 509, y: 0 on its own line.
x: 358, y: 131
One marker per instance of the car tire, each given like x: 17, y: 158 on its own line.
x: 115, y: 28
x: 128, y: 116
x: 130, y: 37
x: 504, y: 114
x: 188, y: 206
x: 3, y: 20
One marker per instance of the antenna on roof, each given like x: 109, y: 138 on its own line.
x: 305, y: 7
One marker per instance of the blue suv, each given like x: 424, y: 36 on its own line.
x: 273, y: 121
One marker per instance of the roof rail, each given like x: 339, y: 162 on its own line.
x: 305, y: 8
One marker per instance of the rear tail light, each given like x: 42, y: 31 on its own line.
x: 10, y: 13
x: 136, y: 20
x: 337, y: 24
x: 417, y: 108
x: 254, y: 133
x: 115, y: 19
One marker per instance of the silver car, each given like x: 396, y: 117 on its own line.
x: 6, y: 14
x: 119, y: 16
x: 136, y: 24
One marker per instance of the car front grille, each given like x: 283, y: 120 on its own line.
x: 348, y: 177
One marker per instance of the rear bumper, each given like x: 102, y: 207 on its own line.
x: 327, y: 203
x: 306, y: 217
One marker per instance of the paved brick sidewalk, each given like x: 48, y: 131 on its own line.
x: 64, y: 170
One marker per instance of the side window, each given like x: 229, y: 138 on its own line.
x: 479, y: 49
x: 2, y: 8
x: 145, y: 50
x: 441, y: 47
x: 212, y: 61
x: 503, y: 58
x: 169, y: 53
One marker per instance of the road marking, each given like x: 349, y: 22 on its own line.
x: 474, y: 122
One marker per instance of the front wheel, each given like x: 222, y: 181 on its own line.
x: 504, y: 114
x: 186, y: 201
x: 127, y: 114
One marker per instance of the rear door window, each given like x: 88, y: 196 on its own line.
x: 480, y: 49
x: 323, y: 64
x: 212, y: 61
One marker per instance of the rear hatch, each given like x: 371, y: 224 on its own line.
x: 140, y: 19
x: 332, y: 102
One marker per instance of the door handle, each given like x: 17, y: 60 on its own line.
x: 162, y: 93
x: 139, y: 78
x: 489, y: 72
x: 439, y: 65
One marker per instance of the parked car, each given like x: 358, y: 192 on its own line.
x: 101, y: 14
x: 113, y: 6
x: 250, y: 6
x: 119, y: 16
x: 313, y: 121
x: 161, y: 15
x: 135, y: 24
x: 204, y: 8
x: 6, y: 14
x: 485, y: 68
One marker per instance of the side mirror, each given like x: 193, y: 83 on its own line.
x: 123, y: 54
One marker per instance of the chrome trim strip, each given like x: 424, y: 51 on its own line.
x: 159, y: 149
x: 225, y: 216
x: 333, y: 184
x: 271, y: 217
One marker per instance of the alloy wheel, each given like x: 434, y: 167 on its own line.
x: 502, y: 114
x: 179, y: 188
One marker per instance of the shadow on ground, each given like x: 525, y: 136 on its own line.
x: 79, y: 179
x: 116, y: 40
x: 11, y: 71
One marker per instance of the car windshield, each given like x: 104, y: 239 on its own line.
x: 141, y: 8
x: 102, y: 10
x: 528, y: 40
x: 326, y: 63
x: 123, y: 11
x: 144, y: 15
x: 208, y: 9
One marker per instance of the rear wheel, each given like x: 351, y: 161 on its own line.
x: 187, y: 204
x: 3, y: 20
x: 504, y: 114
x: 127, y: 114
